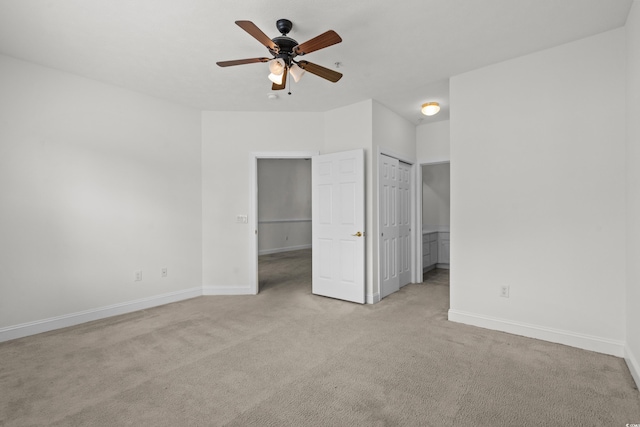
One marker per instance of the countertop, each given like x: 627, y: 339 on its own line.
x: 435, y: 229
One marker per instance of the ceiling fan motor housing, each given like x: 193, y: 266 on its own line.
x: 284, y: 26
x: 286, y: 45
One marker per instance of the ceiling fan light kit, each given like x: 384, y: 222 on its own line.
x: 276, y: 66
x: 296, y: 72
x: 284, y: 49
x: 430, y: 108
x: 276, y: 78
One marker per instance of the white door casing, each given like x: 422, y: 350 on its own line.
x: 389, y: 229
x: 253, y: 204
x: 404, y: 223
x: 338, y: 225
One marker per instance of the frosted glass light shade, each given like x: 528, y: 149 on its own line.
x: 276, y: 66
x: 277, y: 79
x: 430, y: 108
x: 296, y: 72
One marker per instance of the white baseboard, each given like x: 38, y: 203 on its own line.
x: 632, y: 363
x: 585, y: 342
x: 373, y: 298
x: 58, y: 322
x: 227, y: 290
x: 287, y: 249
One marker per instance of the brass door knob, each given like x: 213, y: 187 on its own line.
x: 358, y: 234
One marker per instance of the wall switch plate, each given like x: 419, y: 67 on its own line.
x: 163, y: 272
x: 243, y: 219
x: 504, y: 291
x: 137, y: 276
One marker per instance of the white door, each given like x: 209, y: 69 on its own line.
x: 338, y: 218
x: 389, y: 230
x: 404, y: 223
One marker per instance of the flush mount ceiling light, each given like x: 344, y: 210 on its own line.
x: 430, y: 108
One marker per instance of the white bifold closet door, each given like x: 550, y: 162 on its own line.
x: 395, y: 224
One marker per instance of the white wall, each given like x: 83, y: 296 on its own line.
x: 433, y: 142
x: 393, y: 133
x: 284, y: 205
x: 538, y: 194
x: 633, y: 191
x: 96, y: 182
x: 395, y: 136
x: 436, y: 195
x: 350, y: 128
x: 228, y: 139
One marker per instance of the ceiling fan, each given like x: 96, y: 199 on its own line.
x: 284, y: 49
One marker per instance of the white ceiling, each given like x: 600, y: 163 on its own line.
x: 400, y: 53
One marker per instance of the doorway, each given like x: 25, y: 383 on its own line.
x: 436, y: 213
x: 284, y: 218
x: 280, y: 207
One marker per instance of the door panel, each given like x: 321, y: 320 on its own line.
x: 404, y: 223
x: 389, y: 230
x: 338, y: 217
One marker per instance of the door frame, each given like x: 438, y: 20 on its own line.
x: 253, y: 204
x: 419, y: 207
x: 416, y: 231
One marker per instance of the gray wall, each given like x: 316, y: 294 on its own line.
x: 435, y: 195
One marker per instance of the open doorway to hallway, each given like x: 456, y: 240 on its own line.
x: 436, y: 212
x: 284, y: 222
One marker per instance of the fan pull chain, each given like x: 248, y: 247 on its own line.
x: 289, y: 84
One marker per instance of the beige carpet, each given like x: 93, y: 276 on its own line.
x: 288, y: 358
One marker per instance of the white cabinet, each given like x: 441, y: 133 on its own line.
x: 429, y: 250
x: 435, y: 250
x: 443, y: 248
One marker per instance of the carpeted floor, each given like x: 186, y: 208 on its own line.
x: 288, y: 358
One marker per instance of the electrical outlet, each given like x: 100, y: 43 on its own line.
x: 138, y: 276
x: 163, y: 272
x: 243, y: 219
x: 504, y: 291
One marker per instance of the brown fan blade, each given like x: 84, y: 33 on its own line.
x: 325, y: 73
x: 241, y: 61
x: 323, y: 40
x: 284, y: 82
x: 257, y: 34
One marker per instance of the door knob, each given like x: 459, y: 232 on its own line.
x: 358, y: 234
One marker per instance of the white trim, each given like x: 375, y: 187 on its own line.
x: 252, y: 230
x: 278, y: 221
x: 286, y: 249
x: 66, y: 320
x: 416, y: 235
x: 420, y: 267
x: 395, y: 155
x: 632, y: 363
x: 373, y: 298
x: 418, y: 183
x: 586, y: 342
x: 212, y: 290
